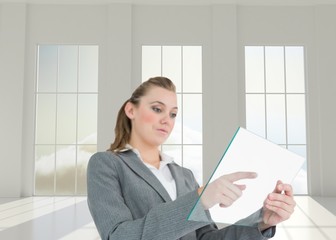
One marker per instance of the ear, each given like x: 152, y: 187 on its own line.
x: 129, y: 110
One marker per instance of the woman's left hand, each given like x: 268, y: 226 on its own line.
x: 278, y: 206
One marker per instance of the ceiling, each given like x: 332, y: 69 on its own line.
x: 181, y: 2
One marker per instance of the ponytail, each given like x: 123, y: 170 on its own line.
x: 122, y: 130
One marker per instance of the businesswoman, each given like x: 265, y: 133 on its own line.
x: 137, y: 192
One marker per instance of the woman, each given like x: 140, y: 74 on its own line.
x: 137, y: 192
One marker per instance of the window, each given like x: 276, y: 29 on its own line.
x: 66, y: 117
x: 275, y: 99
x: 183, y: 65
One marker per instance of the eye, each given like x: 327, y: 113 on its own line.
x: 173, y: 115
x: 156, y: 109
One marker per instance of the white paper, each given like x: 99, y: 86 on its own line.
x: 249, y: 152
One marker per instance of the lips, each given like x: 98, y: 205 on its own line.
x: 163, y: 131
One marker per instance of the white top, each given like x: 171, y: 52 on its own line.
x: 163, y: 173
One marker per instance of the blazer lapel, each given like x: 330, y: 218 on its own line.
x: 177, y: 174
x: 133, y: 162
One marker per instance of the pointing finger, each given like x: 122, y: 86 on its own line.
x: 232, y: 177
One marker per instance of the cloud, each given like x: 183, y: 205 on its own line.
x: 65, y: 163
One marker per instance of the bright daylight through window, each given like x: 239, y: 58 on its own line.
x: 183, y: 65
x: 66, y: 117
x: 275, y: 99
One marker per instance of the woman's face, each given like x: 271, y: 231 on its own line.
x: 154, y: 118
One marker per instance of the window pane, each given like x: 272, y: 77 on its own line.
x: 192, y: 69
x: 254, y: 70
x: 174, y: 151
x: 296, y: 119
x: 192, y: 118
x: 88, y: 69
x: 83, y: 155
x: 65, y: 170
x: 151, y: 62
x: 87, y: 119
x: 285, y: 109
x: 66, y: 118
x: 276, y: 118
x: 47, y: 68
x: 255, y: 113
x: 45, y: 119
x: 67, y: 73
x: 44, y: 169
x: 295, y: 70
x: 192, y: 159
x: 176, y: 135
x: 275, y: 80
x: 171, y: 64
x: 185, y: 70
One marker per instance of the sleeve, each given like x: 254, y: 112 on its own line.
x: 113, y: 218
x: 244, y: 229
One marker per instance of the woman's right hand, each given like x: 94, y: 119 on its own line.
x: 223, y: 190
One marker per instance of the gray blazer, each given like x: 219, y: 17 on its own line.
x: 128, y: 202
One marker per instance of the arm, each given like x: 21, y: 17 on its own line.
x: 251, y: 227
x: 114, y: 219
x: 245, y: 229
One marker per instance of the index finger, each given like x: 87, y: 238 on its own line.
x: 232, y: 177
x: 287, y: 189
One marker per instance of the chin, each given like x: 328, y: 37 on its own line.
x: 160, y: 142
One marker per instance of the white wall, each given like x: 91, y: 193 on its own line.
x: 12, y: 53
x: 121, y: 29
x: 325, y: 35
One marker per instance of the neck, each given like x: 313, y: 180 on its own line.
x: 151, y: 157
x: 149, y: 154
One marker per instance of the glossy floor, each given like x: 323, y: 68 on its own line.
x: 68, y: 218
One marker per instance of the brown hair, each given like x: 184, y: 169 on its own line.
x: 123, y: 126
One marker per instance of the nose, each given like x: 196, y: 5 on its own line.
x: 166, y: 119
